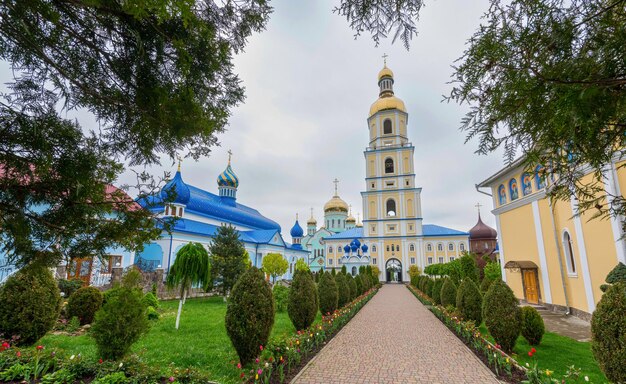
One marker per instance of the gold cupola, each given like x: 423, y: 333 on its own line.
x: 336, y: 204
x: 386, y: 98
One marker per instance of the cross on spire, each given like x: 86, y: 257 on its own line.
x: 385, y: 59
x: 311, y: 212
x: 230, y: 153
x: 350, y: 211
x: 336, y: 181
x: 296, y: 217
x: 179, y: 161
x: 478, y: 205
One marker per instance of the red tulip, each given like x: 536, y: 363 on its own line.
x: 100, y: 361
x: 261, y: 347
x: 530, y: 353
x: 533, y: 350
x: 39, y: 347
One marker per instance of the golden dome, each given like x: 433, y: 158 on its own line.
x: 336, y: 204
x: 390, y: 102
x: 311, y: 221
x: 384, y: 72
x: 350, y: 219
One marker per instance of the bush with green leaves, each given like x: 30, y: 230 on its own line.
x: 617, y: 275
x: 492, y: 271
x: 436, y: 292
x: 152, y: 313
x: 84, y: 303
x: 359, y: 285
x: 485, y: 284
x: 281, y: 297
x: 532, y: 326
x: 608, y: 330
x: 67, y: 287
x: 502, y: 315
x: 367, y: 282
x: 112, y: 378
x: 150, y: 300
x: 448, y: 293
x: 30, y: 304
x: 328, y: 293
x: 468, y: 267
x: 343, y: 290
x: 120, y: 322
x: 250, y: 314
x: 302, y: 304
x: 469, y: 301
x: 429, y: 287
x: 353, y: 288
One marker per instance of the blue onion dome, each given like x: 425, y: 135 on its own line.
x: 346, y: 249
x: 296, y: 230
x: 228, y: 178
x: 354, y: 248
x: 356, y: 242
x: 364, y: 248
x: 177, y: 186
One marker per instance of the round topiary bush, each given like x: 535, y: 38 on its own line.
x: 608, y: 330
x: 469, y: 301
x: 448, y: 293
x: 329, y: 294
x: 532, y: 325
x: 359, y: 285
x: 302, y: 300
x: 250, y: 314
x: 84, y: 304
x: 502, y: 315
x: 485, y: 284
x: 120, y: 322
x: 30, y: 304
x: 436, y: 292
x: 150, y: 300
x: 353, y: 287
x: 342, y: 289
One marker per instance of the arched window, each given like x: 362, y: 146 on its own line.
x: 502, y: 194
x: 569, y: 253
x: 450, y: 247
x: 387, y: 127
x: 389, y: 165
x: 391, y: 207
x: 387, y: 248
x: 513, y: 189
x: 353, y: 271
x: 440, y: 247
x: 429, y: 247
x: 373, y: 248
x: 540, y: 177
x: 411, y: 247
x: 462, y: 247
x: 527, y: 185
x: 330, y: 249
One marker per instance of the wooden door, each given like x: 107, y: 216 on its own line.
x: 81, y: 269
x: 530, y: 286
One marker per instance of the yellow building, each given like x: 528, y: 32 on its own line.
x: 548, y: 254
x: 393, y: 236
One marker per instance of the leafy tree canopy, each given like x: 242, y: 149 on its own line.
x: 274, y: 264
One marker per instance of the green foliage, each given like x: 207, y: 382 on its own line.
x: 608, y: 329
x: 229, y: 258
x: 301, y: 265
x: 428, y: 287
x: 112, y: 378
x: 281, y: 297
x: 328, y: 293
x: 153, y: 289
x: 448, y: 293
x: 359, y: 285
x: 30, y: 304
x: 250, y: 314
x: 67, y: 287
x: 532, y: 325
x: 150, y: 300
x: 354, y: 290
x: 617, y: 275
x: 120, y: 322
x: 152, y: 313
x: 365, y: 279
x: 302, y: 303
x: 493, y: 271
x: 414, y: 271
x: 485, y: 284
x: 343, y: 289
x: 344, y: 270
x: 132, y: 279
x: 191, y: 267
x: 469, y: 301
x: 502, y: 315
x: 436, y: 292
x: 436, y: 270
x: 84, y: 303
x: 72, y: 325
x: 333, y: 272
x: 274, y: 264
x: 468, y: 267
x: 454, y: 271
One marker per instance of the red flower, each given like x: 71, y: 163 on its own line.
x: 238, y: 365
x: 261, y: 347
x: 530, y: 353
x: 242, y: 375
x: 19, y: 354
x: 39, y: 347
x: 100, y: 361
x: 533, y: 350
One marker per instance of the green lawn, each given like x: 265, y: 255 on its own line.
x: 557, y: 353
x: 200, y: 342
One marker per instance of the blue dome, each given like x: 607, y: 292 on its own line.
x: 228, y: 178
x: 356, y: 242
x: 296, y: 230
x: 177, y: 186
x: 364, y: 248
x: 354, y: 248
x: 346, y: 249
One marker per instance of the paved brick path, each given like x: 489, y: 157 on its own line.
x: 395, y: 339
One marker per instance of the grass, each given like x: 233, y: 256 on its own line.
x: 557, y: 353
x: 201, y: 341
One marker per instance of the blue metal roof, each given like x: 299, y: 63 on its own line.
x: 437, y: 230
x: 356, y: 232
x: 209, y: 205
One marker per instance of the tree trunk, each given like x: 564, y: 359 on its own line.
x: 183, y: 295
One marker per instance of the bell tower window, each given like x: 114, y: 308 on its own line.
x: 387, y: 130
x: 389, y: 165
x: 391, y: 207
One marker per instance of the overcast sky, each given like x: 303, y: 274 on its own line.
x: 309, y: 85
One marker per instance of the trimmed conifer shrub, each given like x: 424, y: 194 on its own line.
x: 414, y: 281
x: 532, y: 325
x: 429, y: 287
x: 353, y: 288
x: 329, y: 294
x: 367, y: 282
x: 469, y: 270
x: 359, y: 285
x: 436, y: 292
x: 469, y: 301
x: 302, y: 303
x: 343, y: 290
x: 84, y: 303
x: 344, y: 270
x: 608, y: 330
x: 250, y: 314
x: 150, y: 300
x: 30, y: 304
x: 126, y: 308
x: 448, y: 293
x: 485, y: 284
x: 502, y: 315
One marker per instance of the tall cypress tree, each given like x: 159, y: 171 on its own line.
x: 229, y: 257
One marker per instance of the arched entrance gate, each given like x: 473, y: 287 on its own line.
x: 394, y: 270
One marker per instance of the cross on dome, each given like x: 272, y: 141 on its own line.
x: 478, y: 205
x: 230, y: 153
x: 385, y: 59
x: 336, y: 181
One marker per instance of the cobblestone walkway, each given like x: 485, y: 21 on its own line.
x: 395, y: 339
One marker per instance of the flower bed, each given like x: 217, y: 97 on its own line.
x: 283, y: 358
